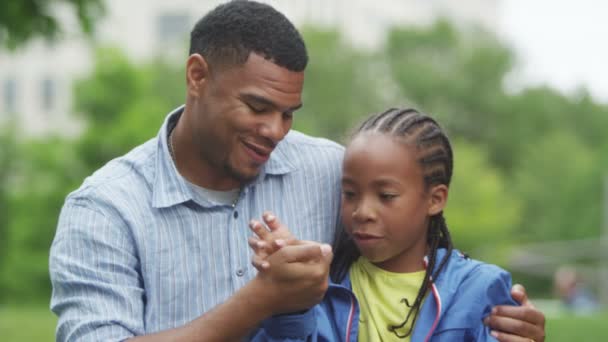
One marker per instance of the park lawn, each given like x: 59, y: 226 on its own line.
x: 30, y: 323
x: 38, y: 324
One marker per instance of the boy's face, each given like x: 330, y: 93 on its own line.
x: 385, y: 205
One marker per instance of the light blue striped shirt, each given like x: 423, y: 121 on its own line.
x: 138, y: 251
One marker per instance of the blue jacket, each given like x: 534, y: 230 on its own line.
x: 464, y: 293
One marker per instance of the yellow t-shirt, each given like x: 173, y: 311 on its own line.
x: 380, y: 295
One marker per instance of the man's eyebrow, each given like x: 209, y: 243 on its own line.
x: 266, y: 102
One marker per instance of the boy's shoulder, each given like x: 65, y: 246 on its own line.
x: 475, y: 280
x: 463, y: 264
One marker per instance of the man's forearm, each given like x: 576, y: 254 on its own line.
x: 232, y: 320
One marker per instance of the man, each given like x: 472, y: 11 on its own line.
x: 154, y: 244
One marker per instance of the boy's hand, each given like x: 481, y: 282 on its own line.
x: 269, y: 239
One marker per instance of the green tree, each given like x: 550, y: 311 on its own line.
x: 8, y: 153
x: 456, y: 76
x: 481, y: 208
x: 562, y: 187
x: 45, y: 173
x: 124, y: 104
x: 340, y: 88
x: 23, y: 20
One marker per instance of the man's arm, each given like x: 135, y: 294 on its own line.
x: 98, y: 292
x: 297, y: 282
x: 517, y: 323
x: 97, y: 289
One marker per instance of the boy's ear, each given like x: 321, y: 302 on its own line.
x: 438, y: 199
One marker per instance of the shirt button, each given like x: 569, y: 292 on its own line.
x: 240, y: 272
x: 236, y: 214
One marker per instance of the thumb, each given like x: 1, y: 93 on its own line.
x: 518, y: 292
x: 327, y: 253
x: 305, y: 252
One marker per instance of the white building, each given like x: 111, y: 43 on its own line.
x: 36, y: 81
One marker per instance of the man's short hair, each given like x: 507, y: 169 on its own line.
x: 230, y: 32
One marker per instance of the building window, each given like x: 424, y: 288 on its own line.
x: 9, y: 95
x: 48, y: 90
x: 173, y: 27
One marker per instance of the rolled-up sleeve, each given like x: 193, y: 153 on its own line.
x: 95, y: 273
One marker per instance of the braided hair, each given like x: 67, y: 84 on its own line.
x: 436, y: 159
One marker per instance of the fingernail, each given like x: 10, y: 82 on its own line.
x: 325, y: 249
x: 261, y: 244
x: 280, y: 242
x: 265, y: 265
x: 494, y: 333
x: 494, y: 311
x: 270, y: 217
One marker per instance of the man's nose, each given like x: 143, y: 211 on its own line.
x: 275, y: 127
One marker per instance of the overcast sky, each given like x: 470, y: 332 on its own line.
x: 560, y: 42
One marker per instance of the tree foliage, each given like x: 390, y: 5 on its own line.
x: 529, y: 166
x: 23, y: 20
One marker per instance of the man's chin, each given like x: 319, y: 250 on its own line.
x: 243, y: 176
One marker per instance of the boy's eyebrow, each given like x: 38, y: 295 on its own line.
x: 376, y: 182
x: 264, y: 101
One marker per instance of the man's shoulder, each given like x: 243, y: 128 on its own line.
x: 303, y: 140
x: 297, y: 146
x: 121, y: 178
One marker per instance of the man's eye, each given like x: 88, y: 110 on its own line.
x: 256, y: 109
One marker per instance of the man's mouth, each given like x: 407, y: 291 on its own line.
x: 259, y: 153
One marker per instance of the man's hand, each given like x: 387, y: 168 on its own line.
x: 294, y: 273
x: 297, y: 277
x: 517, y: 323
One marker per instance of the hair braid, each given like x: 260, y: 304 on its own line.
x: 436, y: 160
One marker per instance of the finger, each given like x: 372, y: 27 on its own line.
x: 271, y: 221
x: 276, y: 226
x: 518, y: 292
x: 258, y: 246
x: 260, y: 264
x: 504, y: 337
x: 260, y: 230
x: 508, y: 325
x: 305, y: 253
x: 526, y: 313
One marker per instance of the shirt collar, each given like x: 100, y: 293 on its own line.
x: 170, y: 188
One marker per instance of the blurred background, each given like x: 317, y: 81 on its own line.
x: 521, y: 87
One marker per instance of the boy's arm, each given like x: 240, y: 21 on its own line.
x: 289, y: 327
x: 517, y: 323
x: 495, y: 285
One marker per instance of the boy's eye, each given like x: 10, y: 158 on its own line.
x: 387, y: 195
x: 348, y: 194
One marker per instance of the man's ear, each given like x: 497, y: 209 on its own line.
x: 437, y: 199
x: 197, y: 73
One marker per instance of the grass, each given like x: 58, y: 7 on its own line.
x: 577, y: 328
x: 31, y: 323
x: 19, y: 324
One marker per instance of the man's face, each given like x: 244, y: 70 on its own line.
x: 240, y: 115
